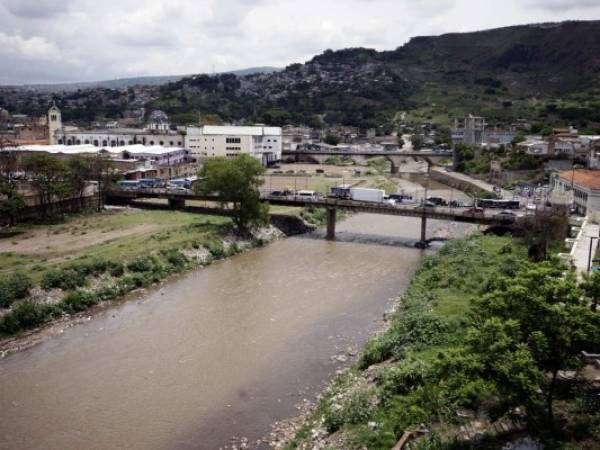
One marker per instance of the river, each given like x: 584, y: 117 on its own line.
x: 219, y: 352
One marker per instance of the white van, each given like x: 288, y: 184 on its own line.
x: 309, y: 195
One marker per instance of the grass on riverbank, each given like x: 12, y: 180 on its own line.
x: 111, y: 235
x: 415, y: 374
x: 91, y: 258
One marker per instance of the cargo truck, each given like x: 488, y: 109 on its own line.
x: 367, y: 195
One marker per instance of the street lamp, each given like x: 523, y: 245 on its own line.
x: 590, y: 254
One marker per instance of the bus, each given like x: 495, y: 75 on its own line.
x: 128, y: 184
x: 500, y: 204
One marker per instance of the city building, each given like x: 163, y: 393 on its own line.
x: 157, y: 132
x: 585, y: 185
x: 264, y: 143
x: 534, y: 146
x: 469, y: 131
x: 141, y: 160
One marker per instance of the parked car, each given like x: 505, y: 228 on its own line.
x: 475, y: 211
x: 505, y: 215
x: 438, y: 201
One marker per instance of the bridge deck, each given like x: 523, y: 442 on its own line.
x: 409, y: 210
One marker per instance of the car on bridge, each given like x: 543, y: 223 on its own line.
x: 474, y: 212
x: 505, y: 216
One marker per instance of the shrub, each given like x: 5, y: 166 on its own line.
x: 68, y: 278
x: 176, y: 259
x: 357, y: 408
x: 216, y: 250
x: 99, y: 266
x: 78, y: 301
x: 27, y: 314
x: 233, y: 249
x: 141, y: 264
x: 14, y: 287
x: 116, y: 269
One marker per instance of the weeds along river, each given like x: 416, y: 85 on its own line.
x: 219, y: 352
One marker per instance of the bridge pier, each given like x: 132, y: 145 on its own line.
x: 423, y: 242
x: 175, y: 203
x: 330, y: 224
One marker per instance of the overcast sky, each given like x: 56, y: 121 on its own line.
x: 85, y: 40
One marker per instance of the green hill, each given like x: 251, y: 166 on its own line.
x: 539, y: 72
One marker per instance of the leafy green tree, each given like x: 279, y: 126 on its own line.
x: 527, y: 329
x: 11, y: 201
x: 80, y: 171
x: 417, y: 141
x: 49, y: 177
x: 591, y: 288
x: 236, y: 180
x: 542, y: 229
x: 331, y: 139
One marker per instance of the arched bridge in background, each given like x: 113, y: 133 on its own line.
x: 395, y: 158
x: 177, y: 200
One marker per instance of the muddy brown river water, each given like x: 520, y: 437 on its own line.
x: 220, y: 352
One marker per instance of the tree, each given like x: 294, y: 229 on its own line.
x: 49, y: 177
x: 417, y: 141
x: 401, y: 142
x: 80, y: 171
x: 527, y: 329
x: 331, y: 139
x: 540, y: 230
x: 591, y: 288
x: 11, y: 201
x: 236, y: 180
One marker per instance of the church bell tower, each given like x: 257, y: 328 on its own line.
x: 54, y: 123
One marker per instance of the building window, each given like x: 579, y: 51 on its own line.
x: 130, y: 142
x: 161, y: 143
x: 233, y: 140
x: 95, y: 142
x: 113, y: 143
x: 104, y: 143
x: 171, y: 143
x: 179, y: 143
x: 86, y: 142
x: 78, y: 142
x: 151, y: 142
x: 121, y: 142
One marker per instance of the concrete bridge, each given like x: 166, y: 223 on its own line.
x: 177, y: 200
x: 394, y: 157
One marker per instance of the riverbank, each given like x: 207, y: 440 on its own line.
x: 414, y: 381
x: 212, y: 353
x: 56, y: 275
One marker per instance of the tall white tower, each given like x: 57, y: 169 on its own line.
x: 54, y: 123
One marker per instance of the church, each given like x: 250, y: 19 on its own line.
x: 157, y: 132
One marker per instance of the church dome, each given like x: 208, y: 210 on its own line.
x: 158, y: 116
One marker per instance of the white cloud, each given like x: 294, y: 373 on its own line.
x: 33, y: 48
x: 90, y: 40
x: 36, y: 9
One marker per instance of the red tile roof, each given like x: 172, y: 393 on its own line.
x: 584, y: 178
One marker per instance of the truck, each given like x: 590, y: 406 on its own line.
x: 367, y: 195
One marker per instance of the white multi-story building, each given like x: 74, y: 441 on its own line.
x: 263, y: 143
x: 585, y: 185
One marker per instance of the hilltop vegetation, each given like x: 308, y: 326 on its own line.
x: 502, y: 74
x: 545, y: 72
